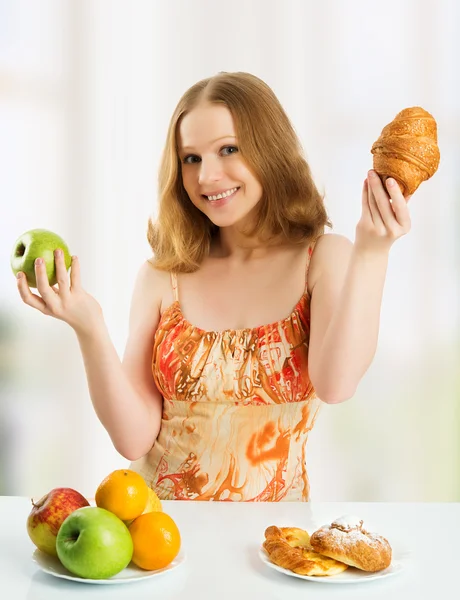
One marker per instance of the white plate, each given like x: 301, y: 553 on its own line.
x: 53, y: 566
x: 351, y: 575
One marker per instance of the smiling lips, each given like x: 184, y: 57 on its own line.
x: 221, y: 198
x: 220, y: 195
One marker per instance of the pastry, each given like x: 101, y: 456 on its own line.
x: 347, y: 541
x: 407, y: 149
x: 289, y: 547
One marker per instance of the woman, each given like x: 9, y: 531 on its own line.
x: 254, y: 315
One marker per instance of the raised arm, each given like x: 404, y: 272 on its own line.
x: 347, y: 291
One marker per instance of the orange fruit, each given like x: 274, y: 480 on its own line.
x: 124, y: 493
x: 156, y: 540
x: 153, y: 504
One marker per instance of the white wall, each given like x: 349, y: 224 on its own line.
x: 87, y: 88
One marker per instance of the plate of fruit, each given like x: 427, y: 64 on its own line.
x: 53, y: 566
x: 126, y: 536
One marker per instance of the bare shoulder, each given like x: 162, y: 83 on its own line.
x: 144, y: 318
x: 148, y: 292
x: 150, y: 277
x: 330, y: 256
x: 330, y: 245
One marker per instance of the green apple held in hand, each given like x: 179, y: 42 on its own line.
x: 48, y: 514
x: 38, y: 243
x: 93, y: 543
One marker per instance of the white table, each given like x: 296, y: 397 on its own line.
x: 221, y: 542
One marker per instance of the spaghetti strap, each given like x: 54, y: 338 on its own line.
x: 174, y: 286
x: 311, y: 247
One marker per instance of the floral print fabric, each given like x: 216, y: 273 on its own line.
x: 238, y: 407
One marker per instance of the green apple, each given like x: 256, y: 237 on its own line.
x: 93, y: 543
x: 48, y: 514
x: 34, y: 244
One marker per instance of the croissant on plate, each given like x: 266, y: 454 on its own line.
x: 289, y: 547
x: 347, y: 541
x: 407, y: 149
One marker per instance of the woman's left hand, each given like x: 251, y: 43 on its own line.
x: 385, y: 215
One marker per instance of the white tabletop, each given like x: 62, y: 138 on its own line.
x: 221, y: 541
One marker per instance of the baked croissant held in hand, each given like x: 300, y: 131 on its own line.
x: 407, y: 149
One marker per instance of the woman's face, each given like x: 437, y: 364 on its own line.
x: 214, y: 174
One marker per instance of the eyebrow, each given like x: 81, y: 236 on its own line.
x: 213, y: 142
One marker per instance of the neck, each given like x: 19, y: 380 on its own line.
x: 232, y: 244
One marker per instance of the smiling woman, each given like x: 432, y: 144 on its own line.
x: 246, y: 317
x: 86, y: 90
x: 217, y: 177
x: 241, y: 391
x: 230, y: 131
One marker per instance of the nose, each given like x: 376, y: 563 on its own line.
x: 210, y: 170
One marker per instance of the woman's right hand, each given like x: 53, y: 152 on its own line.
x: 67, y: 300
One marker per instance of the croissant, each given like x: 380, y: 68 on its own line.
x: 289, y: 547
x: 407, y: 149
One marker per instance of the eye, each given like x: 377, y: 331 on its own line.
x: 227, y: 150
x: 190, y: 159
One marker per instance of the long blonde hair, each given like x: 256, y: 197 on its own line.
x: 291, y: 208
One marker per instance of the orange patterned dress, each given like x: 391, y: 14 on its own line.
x: 238, y: 407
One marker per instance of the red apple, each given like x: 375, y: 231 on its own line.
x: 48, y: 514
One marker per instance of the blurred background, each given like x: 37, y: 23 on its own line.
x: 87, y: 88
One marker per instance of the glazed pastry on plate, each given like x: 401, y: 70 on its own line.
x: 347, y: 541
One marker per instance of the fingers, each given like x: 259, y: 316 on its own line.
x: 365, y: 202
x: 62, y: 276
x: 53, y: 300
x: 390, y: 204
x: 365, y: 205
x: 384, y: 203
x: 43, y: 286
x: 26, y: 295
x: 399, y: 205
x: 373, y: 206
x: 75, y: 281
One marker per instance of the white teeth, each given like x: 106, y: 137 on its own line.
x: 223, y: 195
